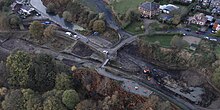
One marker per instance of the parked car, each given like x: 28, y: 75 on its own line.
x: 68, y: 33
x: 206, y: 37
x: 105, y: 51
x: 76, y: 36
x: 212, y: 39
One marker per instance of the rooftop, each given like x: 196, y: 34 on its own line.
x: 150, y: 6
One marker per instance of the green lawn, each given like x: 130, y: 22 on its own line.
x: 164, y: 39
x: 123, y: 5
x: 135, y: 27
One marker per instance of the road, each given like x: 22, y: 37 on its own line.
x: 127, y: 39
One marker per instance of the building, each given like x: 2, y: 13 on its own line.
x: 209, y: 18
x: 26, y: 10
x: 216, y: 25
x: 211, y: 3
x: 15, y: 7
x: 186, y: 1
x: 216, y: 10
x: 215, y: 3
x: 149, y: 9
x: 168, y: 8
x: 20, y: 1
x: 199, y: 19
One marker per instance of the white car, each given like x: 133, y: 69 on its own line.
x: 213, y: 39
x: 206, y: 37
x: 105, y: 51
x: 136, y: 88
x: 68, y: 33
x: 76, y: 36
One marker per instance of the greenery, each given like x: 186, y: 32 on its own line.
x: 70, y: 98
x: 19, y: 65
x: 49, y: 32
x: 121, y: 6
x: 99, y: 26
x: 163, y: 39
x: 217, y: 51
x: 36, y: 29
x: 135, y: 27
x: 178, y: 42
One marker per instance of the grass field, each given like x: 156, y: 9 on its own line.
x: 164, y: 39
x: 132, y: 28
x: 123, y: 5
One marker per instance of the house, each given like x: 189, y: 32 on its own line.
x: 149, y: 9
x: 209, y: 18
x: 15, y: 7
x: 215, y: 3
x: 216, y: 25
x: 165, y: 17
x: 216, y: 10
x: 199, y: 19
x: 168, y: 8
x: 26, y: 10
x: 205, y: 2
x: 211, y: 3
x: 20, y: 1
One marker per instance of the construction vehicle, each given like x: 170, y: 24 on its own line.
x: 148, y: 73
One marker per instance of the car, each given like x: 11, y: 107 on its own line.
x: 76, y: 36
x: 105, y: 51
x: 136, y: 88
x: 213, y: 31
x: 206, y: 37
x: 213, y: 39
x: 38, y: 14
x: 47, y: 22
x: 187, y: 29
x: 68, y: 33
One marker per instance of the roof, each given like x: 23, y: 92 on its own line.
x: 210, y: 18
x: 217, y: 21
x: 26, y: 7
x: 170, y: 8
x: 149, y: 6
x: 165, y: 16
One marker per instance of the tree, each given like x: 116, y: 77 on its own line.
x: 99, y: 26
x: 85, y: 104
x: 176, y: 19
x: 13, y: 101
x: 14, y: 20
x: 218, y: 33
x: 32, y: 100
x: 51, y: 8
x: 63, y: 81
x: 216, y: 77
x: 50, y: 31
x: 19, y: 64
x: 42, y: 73
x: 36, y: 29
x: 4, y: 22
x: 53, y: 103
x: 52, y: 100
x: 70, y: 98
x: 67, y: 16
